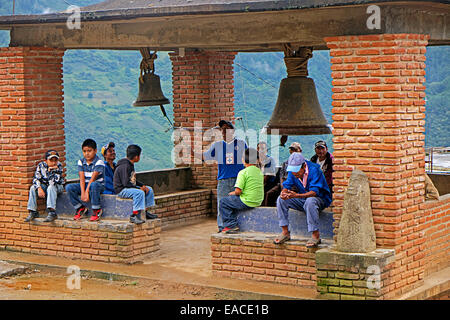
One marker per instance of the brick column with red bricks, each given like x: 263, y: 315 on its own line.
x: 379, y: 124
x: 203, y: 90
x: 31, y: 121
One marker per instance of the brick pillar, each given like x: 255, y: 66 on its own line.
x: 203, y: 90
x: 379, y: 124
x: 31, y: 121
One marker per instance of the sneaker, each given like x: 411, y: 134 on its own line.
x: 136, y: 218
x: 52, y: 216
x: 80, y: 213
x: 149, y: 215
x: 96, y: 214
x: 230, y: 230
x: 32, y: 215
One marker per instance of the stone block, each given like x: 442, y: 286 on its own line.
x: 330, y: 296
x: 352, y: 297
x: 340, y: 290
x: 378, y: 257
x: 327, y: 282
x: 346, y: 283
x: 356, y: 229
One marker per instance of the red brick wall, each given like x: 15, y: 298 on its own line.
x: 378, y: 120
x: 109, y: 242
x: 203, y: 90
x: 257, y: 258
x: 182, y: 207
x: 435, y: 224
x: 31, y: 122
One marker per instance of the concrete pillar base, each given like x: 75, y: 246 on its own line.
x: 353, y: 276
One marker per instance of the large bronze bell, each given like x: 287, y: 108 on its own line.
x: 297, y: 111
x: 150, y: 93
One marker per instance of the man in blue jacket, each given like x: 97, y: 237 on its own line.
x: 313, y: 196
x: 109, y: 153
x: 228, y: 154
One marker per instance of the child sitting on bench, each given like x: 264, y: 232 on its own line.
x: 248, y: 193
x: 126, y: 186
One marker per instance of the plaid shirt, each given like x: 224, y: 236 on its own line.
x: 48, y: 177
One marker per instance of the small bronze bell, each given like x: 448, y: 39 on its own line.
x: 297, y: 111
x: 150, y: 93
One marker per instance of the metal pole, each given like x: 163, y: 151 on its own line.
x: 14, y: 6
x: 431, y: 159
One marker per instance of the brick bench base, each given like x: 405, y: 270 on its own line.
x: 254, y: 256
x: 113, y: 238
x: 107, y: 240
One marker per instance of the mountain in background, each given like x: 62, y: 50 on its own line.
x: 101, y: 85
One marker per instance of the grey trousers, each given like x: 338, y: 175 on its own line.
x: 51, y: 193
x: 311, y: 206
x: 224, y: 187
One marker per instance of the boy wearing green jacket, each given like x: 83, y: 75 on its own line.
x: 248, y: 193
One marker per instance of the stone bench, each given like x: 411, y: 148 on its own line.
x: 113, y: 238
x: 173, y: 208
x: 113, y: 207
x: 265, y: 220
x: 252, y: 255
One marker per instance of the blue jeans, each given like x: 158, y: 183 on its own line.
x: 95, y: 190
x: 51, y: 193
x: 311, y: 206
x: 141, y: 201
x: 224, y: 187
x: 229, y: 207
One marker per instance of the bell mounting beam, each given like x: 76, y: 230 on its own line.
x: 259, y: 30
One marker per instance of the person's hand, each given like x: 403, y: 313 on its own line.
x: 231, y: 193
x: 145, y: 189
x: 292, y: 194
x: 85, y: 197
x: 41, y: 193
x: 287, y: 194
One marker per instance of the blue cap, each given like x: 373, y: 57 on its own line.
x: 51, y: 154
x: 295, y: 162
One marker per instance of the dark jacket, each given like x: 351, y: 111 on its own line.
x: 327, y: 169
x: 109, y: 178
x: 125, y: 176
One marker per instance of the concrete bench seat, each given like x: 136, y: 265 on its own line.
x: 113, y: 207
x: 265, y: 220
x: 172, y: 208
